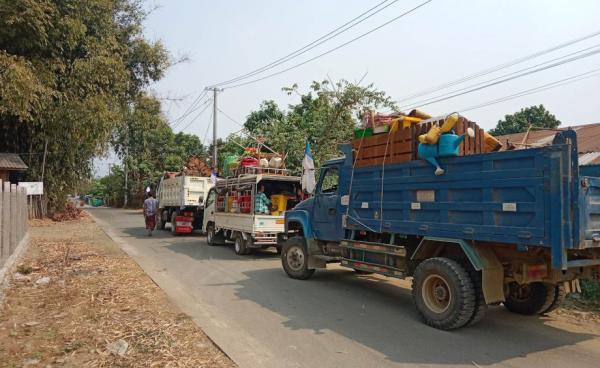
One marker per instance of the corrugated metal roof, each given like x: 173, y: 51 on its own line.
x: 588, y: 138
x: 588, y: 141
x: 11, y: 161
x: 588, y: 158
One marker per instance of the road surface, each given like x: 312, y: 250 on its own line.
x: 261, y: 318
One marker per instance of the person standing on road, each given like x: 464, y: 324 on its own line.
x: 150, y: 208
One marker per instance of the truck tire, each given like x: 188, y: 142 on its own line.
x: 294, y: 258
x: 529, y: 299
x: 173, y: 223
x: 443, y: 293
x: 160, y: 224
x: 239, y: 245
x: 480, y: 305
x: 558, y: 297
x: 213, y: 237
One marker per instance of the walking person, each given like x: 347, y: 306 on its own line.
x: 150, y: 209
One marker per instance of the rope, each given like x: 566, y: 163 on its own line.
x: 352, y: 174
x: 382, y: 176
x: 360, y: 223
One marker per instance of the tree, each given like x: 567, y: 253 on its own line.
x: 69, y: 71
x: 326, y: 115
x: 535, y: 116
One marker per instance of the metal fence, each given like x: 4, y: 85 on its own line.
x: 13, y: 218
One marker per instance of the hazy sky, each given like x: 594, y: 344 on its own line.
x: 442, y: 41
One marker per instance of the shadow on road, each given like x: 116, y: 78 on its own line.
x: 381, y: 316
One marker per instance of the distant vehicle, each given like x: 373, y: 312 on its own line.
x: 181, y: 202
x: 230, y: 211
x: 504, y: 227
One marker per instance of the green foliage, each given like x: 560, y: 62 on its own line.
x: 326, y: 116
x: 536, y: 116
x: 69, y: 71
x: 590, y: 290
x: 149, y: 147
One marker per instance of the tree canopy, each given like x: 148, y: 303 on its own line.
x: 326, y: 115
x: 70, y: 72
x: 535, y: 116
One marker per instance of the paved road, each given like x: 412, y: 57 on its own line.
x: 261, y: 318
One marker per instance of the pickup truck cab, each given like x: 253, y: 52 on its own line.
x: 511, y: 227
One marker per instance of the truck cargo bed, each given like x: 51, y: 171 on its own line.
x: 523, y: 197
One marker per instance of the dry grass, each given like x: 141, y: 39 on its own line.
x: 95, y: 297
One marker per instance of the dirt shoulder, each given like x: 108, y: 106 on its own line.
x: 80, y: 301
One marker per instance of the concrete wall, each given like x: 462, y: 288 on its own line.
x: 13, y: 218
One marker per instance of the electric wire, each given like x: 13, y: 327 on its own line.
x: 207, y: 129
x: 203, y: 105
x: 319, y: 41
x: 333, y: 49
x: 503, y: 76
x: 544, y: 87
x: 190, y: 109
x: 436, y: 100
x: 197, y: 116
x: 500, y: 66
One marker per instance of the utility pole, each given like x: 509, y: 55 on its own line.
x: 215, y: 91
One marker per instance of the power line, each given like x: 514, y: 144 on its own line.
x: 232, y: 119
x: 197, y: 116
x: 426, y: 101
x: 499, y: 67
x: 544, y: 87
x: 191, y: 108
x: 335, y: 48
x: 334, y: 33
x: 510, y: 78
x: 204, y: 104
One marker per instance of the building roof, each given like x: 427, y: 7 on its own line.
x: 588, y: 141
x: 11, y: 161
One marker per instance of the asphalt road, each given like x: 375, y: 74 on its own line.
x: 261, y: 318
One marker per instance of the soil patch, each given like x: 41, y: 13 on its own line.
x: 79, y: 301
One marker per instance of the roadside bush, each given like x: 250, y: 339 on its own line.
x: 590, y: 290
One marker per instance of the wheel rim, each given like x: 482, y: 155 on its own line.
x: 295, y: 258
x: 237, y: 245
x: 436, y: 294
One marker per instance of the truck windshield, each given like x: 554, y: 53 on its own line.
x: 330, y: 180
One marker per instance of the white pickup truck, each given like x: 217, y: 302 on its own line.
x: 181, y: 201
x: 229, y: 213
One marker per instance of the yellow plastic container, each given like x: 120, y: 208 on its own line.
x: 278, y: 203
x: 449, y: 123
x: 491, y: 143
x: 432, y: 136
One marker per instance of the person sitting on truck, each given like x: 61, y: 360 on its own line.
x: 150, y: 209
x: 261, y: 202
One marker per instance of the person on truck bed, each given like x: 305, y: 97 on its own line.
x: 150, y: 209
x: 261, y: 202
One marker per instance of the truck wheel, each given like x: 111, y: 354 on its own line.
x: 443, y: 293
x: 294, y: 258
x: 213, y: 237
x: 239, y: 245
x: 173, y: 223
x: 559, y: 296
x: 480, y: 305
x: 160, y: 224
x: 529, y: 299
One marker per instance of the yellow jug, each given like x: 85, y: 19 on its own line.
x: 433, y: 135
x: 449, y: 123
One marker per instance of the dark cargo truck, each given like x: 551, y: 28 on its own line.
x: 506, y: 227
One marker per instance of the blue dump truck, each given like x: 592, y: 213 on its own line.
x: 506, y: 227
